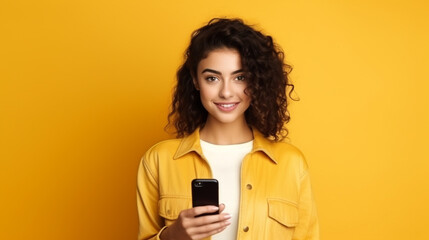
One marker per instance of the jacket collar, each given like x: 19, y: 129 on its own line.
x: 191, y: 143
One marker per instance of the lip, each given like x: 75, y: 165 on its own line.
x: 227, y: 107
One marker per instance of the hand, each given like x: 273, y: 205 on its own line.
x: 189, y: 227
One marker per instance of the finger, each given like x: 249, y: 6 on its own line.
x: 192, y: 212
x: 210, y: 219
x: 203, y: 209
x: 205, y: 235
x: 212, y: 228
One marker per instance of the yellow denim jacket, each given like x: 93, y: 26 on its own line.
x: 276, y: 199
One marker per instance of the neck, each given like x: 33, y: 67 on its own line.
x: 226, y: 133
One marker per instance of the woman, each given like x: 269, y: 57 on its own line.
x: 229, y: 109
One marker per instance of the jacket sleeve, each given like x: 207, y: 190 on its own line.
x: 150, y: 223
x: 308, y: 225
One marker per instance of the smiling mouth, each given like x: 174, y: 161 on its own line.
x: 226, y: 107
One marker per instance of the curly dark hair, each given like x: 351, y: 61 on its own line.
x: 266, y: 75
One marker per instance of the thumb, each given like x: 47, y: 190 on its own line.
x: 221, y: 207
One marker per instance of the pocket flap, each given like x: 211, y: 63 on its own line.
x: 170, y: 207
x: 284, y: 212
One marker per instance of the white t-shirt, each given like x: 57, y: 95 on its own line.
x: 225, y: 163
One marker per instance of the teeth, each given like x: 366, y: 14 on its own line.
x: 227, y: 105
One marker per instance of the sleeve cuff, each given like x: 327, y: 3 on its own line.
x: 159, y: 233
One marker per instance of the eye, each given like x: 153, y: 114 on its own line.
x: 211, y: 78
x: 240, y: 78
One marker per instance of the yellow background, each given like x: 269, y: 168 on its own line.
x: 85, y: 87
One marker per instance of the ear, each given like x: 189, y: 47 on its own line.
x: 196, y: 84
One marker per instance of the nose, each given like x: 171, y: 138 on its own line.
x: 226, y: 90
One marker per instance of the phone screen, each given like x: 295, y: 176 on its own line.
x: 205, y: 192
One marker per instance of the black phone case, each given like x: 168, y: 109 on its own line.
x: 205, y: 192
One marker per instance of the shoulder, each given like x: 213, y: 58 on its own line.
x: 164, y: 148
x: 155, y: 155
x: 287, y: 154
x: 280, y: 152
x: 284, y: 148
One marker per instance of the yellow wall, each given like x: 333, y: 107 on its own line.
x: 85, y: 87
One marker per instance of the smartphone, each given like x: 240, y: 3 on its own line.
x: 205, y: 192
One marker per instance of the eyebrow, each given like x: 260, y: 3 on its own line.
x: 219, y: 73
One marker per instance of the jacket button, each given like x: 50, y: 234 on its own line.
x: 249, y: 186
x: 246, y: 229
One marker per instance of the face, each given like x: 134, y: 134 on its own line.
x: 222, y: 85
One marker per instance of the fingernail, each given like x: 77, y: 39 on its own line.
x: 227, y: 216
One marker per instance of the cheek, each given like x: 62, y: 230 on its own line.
x: 204, y: 94
x: 245, y: 94
x: 207, y: 93
x: 205, y: 97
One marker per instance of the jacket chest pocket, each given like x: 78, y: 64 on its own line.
x: 170, y: 207
x: 282, y: 219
